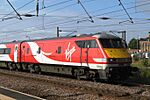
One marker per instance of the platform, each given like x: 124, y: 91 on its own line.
x: 9, y: 94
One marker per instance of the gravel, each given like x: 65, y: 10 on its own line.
x: 50, y: 91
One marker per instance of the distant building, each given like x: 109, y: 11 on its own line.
x: 143, y: 50
x: 144, y: 44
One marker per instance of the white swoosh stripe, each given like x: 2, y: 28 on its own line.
x: 4, y: 57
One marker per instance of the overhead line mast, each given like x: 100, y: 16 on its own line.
x: 37, y: 8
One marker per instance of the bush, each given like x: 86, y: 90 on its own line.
x: 135, y: 58
x: 144, y: 62
x: 145, y: 73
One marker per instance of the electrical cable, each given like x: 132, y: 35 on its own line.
x: 90, y: 17
x: 14, y: 11
x: 56, y: 4
x: 18, y: 9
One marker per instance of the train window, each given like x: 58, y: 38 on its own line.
x: 93, y: 44
x: 59, y: 50
x: 112, y: 43
x: 106, y: 43
x: 87, y: 44
x: 80, y: 44
x: 1, y: 51
x: 7, y: 51
x: 16, y: 48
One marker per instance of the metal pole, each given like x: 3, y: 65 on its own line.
x: 124, y: 35
x: 37, y: 8
x: 57, y: 31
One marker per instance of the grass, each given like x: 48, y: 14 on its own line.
x: 144, y: 67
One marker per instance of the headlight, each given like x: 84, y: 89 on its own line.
x: 118, y: 60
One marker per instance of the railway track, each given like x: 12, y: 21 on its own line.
x: 100, y: 90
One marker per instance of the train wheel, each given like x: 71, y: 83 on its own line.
x: 76, y: 74
x: 9, y: 65
x: 31, y: 68
x: 25, y: 67
x: 88, y: 75
x: 37, y: 69
x: 12, y: 66
x: 15, y: 67
x: 91, y: 75
x: 19, y: 67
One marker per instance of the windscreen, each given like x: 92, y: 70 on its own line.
x: 112, y: 43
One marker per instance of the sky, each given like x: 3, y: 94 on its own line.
x: 73, y: 17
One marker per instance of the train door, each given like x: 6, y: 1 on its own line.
x: 59, y: 51
x: 85, y: 53
x: 38, y: 52
x: 23, y: 50
x: 31, y: 51
x: 84, y: 50
x: 16, y: 53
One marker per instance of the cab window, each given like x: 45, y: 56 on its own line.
x: 87, y: 44
x: 112, y: 43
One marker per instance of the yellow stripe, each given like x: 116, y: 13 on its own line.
x: 3, y: 97
x: 117, y: 53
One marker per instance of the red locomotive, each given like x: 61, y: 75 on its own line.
x: 100, y: 56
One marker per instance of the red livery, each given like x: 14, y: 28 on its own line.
x: 92, y: 56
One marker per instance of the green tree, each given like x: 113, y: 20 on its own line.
x: 133, y: 44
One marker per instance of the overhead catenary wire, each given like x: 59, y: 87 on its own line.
x: 56, y: 4
x: 111, y: 25
x: 64, y: 22
x: 81, y: 27
x: 70, y: 5
x: 74, y: 20
x: 14, y: 10
x: 90, y: 17
x: 61, y: 8
x: 126, y: 12
x: 91, y: 12
x: 18, y: 8
x: 116, y: 16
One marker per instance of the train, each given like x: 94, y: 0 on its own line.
x: 92, y: 56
